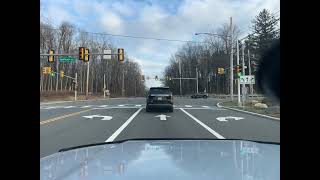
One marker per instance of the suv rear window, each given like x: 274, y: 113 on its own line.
x: 159, y: 91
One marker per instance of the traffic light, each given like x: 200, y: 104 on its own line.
x: 142, y: 77
x: 86, y: 55
x: 120, y: 54
x: 62, y: 74
x: 51, y: 57
x: 239, y: 70
x: 156, y: 78
x: 49, y: 70
x: 221, y: 70
x: 81, y: 53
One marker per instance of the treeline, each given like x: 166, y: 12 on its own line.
x: 214, y: 53
x: 67, y: 39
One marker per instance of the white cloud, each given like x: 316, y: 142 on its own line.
x: 58, y: 14
x: 122, y: 9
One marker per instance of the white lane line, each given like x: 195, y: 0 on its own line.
x: 138, y: 105
x: 124, y: 125
x: 121, y: 105
x: 205, y: 106
x: 187, y: 106
x: 103, y: 106
x: 203, y: 125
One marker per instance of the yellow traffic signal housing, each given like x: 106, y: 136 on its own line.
x: 49, y: 70
x: 51, y: 57
x: 44, y: 70
x: 86, y: 55
x: 120, y: 54
x: 222, y: 70
x: 62, y: 74
x: 81, y: 53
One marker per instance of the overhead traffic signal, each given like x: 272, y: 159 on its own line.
x: 81, y: 53
x: 51, y: 56
x: 86, y: 55
x: 62, y: 74
x: 120, y: 54
x: 46, y: 70
x: 239, y: 70
x: 220, y: 70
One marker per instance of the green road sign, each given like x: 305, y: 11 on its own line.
x: 66, y: 59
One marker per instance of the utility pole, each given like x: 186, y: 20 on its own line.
x: 75, y: 87
x: 249, y: 65
x: 243, y: 74
x: 180, y: 77
x: 231, y: 60
x: 238, y: 79
x: 57, y: 70
x: 122, y: 83
x: 87, y: 88
x: 104, y: 85
x: 197, y: 79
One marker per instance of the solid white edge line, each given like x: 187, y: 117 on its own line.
x: 203, y: 125
x: 248, y: 112
x: 124, y: 125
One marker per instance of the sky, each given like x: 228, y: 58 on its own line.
x: 169, y: 19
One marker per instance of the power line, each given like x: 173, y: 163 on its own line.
x: 129, y: 36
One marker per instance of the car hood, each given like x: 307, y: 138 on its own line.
x: 166, y: 159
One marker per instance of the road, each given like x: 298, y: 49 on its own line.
x: 70, y: 124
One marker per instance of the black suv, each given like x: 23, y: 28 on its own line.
x: 200, y: 95
x: 159, y: 97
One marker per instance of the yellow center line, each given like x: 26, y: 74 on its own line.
x: 64, y: 116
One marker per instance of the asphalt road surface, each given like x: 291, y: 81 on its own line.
x: 71, y: 124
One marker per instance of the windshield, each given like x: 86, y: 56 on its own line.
x: 157, y: 69
x: 159, y: 91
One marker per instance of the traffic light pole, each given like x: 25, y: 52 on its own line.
x: 243, y: 74
x: 231, y: 60
x: 249, y: 65
x: 104, y: 85
x: 87, y: 87
x: 75, y: 87
x: 238, y: 79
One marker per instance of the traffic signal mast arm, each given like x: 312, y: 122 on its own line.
x: 66, y: 54
x: 64, y: 75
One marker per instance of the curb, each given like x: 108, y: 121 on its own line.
x: 248, y: 112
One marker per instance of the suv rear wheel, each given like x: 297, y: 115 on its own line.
x: 148, y: 109
x: 171, y: 109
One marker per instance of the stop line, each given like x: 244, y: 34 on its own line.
x: 120, y: 106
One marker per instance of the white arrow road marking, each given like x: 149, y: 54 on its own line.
x: 203, y: 125
x: 103, y: 119
x: 228, y: 117
x: 187, y: 106
x: 103, y: 106
x: 67, y: 107
x: 50, y: 107
x: 124, y: 125
x: 162, y: 117
x: 138, y: 105
x: 86, y: 106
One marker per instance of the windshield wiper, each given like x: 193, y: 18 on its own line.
x: 157, y: 139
